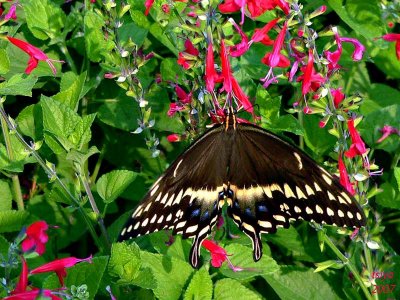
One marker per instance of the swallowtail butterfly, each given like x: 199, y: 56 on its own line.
x: 265, y: 181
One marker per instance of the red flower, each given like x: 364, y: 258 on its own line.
x: 243, y: 46
x: 33, y: 295
x: 338, y: 96
x: 23, y: 279
x: 344, y: 177
x: 183, y: 97
x: 11, y: 13
x: 173, y: 108
x: 148, y: 4
x: 226, y: 69
x: 218, y: 255
x: 172, y: 138
x: 394, y: 37
x: 165, y: 8
x: 357, y: 144
x: 186, y: 58
x: 386, y: 131
x: 241, y: 96
x: 311, y: 79
x: 275, y: 58
x: 211, y: 76
x: 59, y: 266
x: 35, y: 55
x: 261, y: 34
x: 36, y: 238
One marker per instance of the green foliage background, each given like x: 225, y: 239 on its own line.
x: 82, y: 124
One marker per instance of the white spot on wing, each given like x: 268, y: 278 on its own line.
x: 169, y: 218
x: 359, y: 217
x: 164, y: 199
x: 191, y: 229
x: 147, y: 207
x: 171, y: 199
x: 178, y: 197
x: 317, y: 187
x: 160, y: 219
x: 136, y: 226
x: 309, y: 190
x: 319, y: 209
x: 330, y: 212
x: 297, y: 209
x: 123, y: 231
x: 298, y: 159
x: 346, y: 197
x: 288, y: 191
x: 340, y: 213
x: 153, y: 219
x: 275, y: 187
x: 300, y: 194
x: 330, y: 196
x: 265, y: 224
x: 145, y: 222
x: 279, y: 218
x: 154, y: 190
x: 327, y: 179
x: 350, y: 215
x: 177, y: 166
x: 309, y: 211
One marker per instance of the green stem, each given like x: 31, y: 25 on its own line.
x: 51, y: 173
x: 348, y: 264
x: 14, y: 178
x: 97, y: 166
x: 368, y: 261
x: 68, y: 57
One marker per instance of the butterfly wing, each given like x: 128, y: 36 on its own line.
x: 186, y: 197
x: 274, y: 183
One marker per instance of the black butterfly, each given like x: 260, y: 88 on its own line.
x: 265, y: 181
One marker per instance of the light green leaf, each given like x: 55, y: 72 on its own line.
x: 124, y: 262
x: 295, y: 283
x: 200, y: 287
x: 171, y: 274
x: 82, y: 133
x: 387, y: 61
x: 362, y: 16
x: 71, y: 89
x: 96, y: 46
x: 20, y: 156
x: 230, y: 289
x: 242, y: 256
x: 80, y: 157
x: 82, y: 273
x: 112, y: 184
x: 5, y: 196
x: 397, y: 176
x: 4, y: 62
x: 30, y: 122
x: 45, y: 18
x: 12, y: 220
x: 19, y: 84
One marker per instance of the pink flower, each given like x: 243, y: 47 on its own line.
x: 358, y: 48
x: 36, y: 238
x: 338, y: 96
x: 33, y: 295
x: 243, y: 46
x: 183, y: 97
x: 148, y: 4
x: 275, y: 58
x: 165, y: 8
x: 357, y: 144
x: 394, y: 37
x: 186, y: 58
x: 172, y: 138
x: 386, y: 131
x: 261, y: 34
x: 59, y: 266
x: 11, y: 13
x: 35, y: 55
x: 23, y: 279
x: 226, y: 69
x: 173, y: 108
x: 344, y: 177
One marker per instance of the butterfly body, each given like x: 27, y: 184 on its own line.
x: 265, y: 181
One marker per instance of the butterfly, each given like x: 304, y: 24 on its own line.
x: 265, y: 181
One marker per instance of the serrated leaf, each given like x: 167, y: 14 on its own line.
x: 80, y: 157
x: 171, y: 274
x: 301, y: 283
x: 6, y: 196
x: 230, y: 289
x: 200, y: 287
x: 112, y: 184
x: 12, y: 220
x: 82, y: 133
x: 82, y: 273
x: 125, y: 262
x: 45, y: 19
x: 71, y: 89
x: 30, y: 122
x: 242, y: 256
x: 19, y: 84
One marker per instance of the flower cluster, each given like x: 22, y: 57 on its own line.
x: 34, y: 241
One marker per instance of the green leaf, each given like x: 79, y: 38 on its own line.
x: 30, y: 122
x: 396, y: 172
x: 71, y: 89
x: 45, y: 18
x: 21, y: 156
x: 80, y: 157
x: 379, y: 96
x: 82, y: 273
x: 363, y: 17
x: 200, y: 287
x: 163, y: 37
x: 242, y: 256
x: 134, y: 32
x: 4, y: 246
x: 301, y: 283
x: 97, y: 47
x: 121, y: 113
x: 171, y: 274
x: 386, y: 60
x: 12, y: 220
x: 6, y: 196
x: 19, y: 84
x: 316, y: 138
x: 171, y: 71
x: 4, y: 62
x: 227, y: 289
x: 389, y: 197
x: 112, y: 184
x: 82, y: 133
x: 124, y: 262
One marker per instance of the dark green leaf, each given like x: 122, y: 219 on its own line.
x: 6, y: 196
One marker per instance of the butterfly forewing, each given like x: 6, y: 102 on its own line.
x: 266, y: 182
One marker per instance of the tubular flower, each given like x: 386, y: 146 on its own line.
x: 59, y: 266
x: 394, y: 37
x: 172, y: 138
x: 36, y: 238
x: 386, y: 131
x: 11, y: 13
x: 183, y: 97
x: 226, y: 69
x: 243, y: 46
x: 173, y: 108
x: 35, y: 55
x: 357, y: 144
x: 261, y: 34
x: 241, y: 96
x: 33, y: 295
x: 23, y: 279
x: 211, y: 75
x: 358, y: 48
x: 148, y: 4
x: 187, y: 57
x: 338, y: 96
x: 218, y: 255
x: 275, y: 58
x: 344, y: 177
x: 310, y: 79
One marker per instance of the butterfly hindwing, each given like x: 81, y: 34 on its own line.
x: 186, y: 197
x: 274, y: 183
